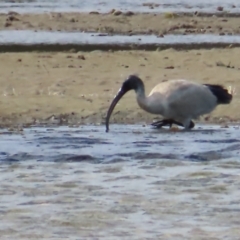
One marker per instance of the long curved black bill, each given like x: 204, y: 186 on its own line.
x: 112, y: 106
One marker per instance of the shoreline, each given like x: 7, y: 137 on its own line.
x: 58, y: 121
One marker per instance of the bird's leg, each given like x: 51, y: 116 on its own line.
x: 169, y: 122
x: 190, y: 126
x: 162, y: 123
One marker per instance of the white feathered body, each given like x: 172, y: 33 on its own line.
x: 181, y: 100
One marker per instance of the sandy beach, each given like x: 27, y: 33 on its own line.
x: 124, y: 23
x: 78, y: 87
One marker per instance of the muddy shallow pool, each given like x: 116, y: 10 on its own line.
x: 131, y: 183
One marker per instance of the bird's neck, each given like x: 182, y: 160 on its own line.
x: 143, y: 101
x: 150, y: 104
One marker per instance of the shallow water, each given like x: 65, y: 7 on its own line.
x: 124, y: 5
x: 131, y: 183
x: 41, y: 37
x: 92, y: 144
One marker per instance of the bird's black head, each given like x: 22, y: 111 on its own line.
x: 133, y: 82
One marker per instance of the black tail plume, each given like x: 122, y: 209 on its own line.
x: 222, y: 94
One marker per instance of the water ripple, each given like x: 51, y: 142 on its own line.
x: 65, y: 144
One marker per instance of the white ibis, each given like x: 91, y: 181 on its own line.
x: 178, y: 101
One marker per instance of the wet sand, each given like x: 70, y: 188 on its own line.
x: 47, y: 41
x: 125, y: 23
x: 76, y: 87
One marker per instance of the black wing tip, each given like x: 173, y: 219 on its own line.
x: 221, y: 93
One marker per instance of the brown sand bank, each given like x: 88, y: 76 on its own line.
x: 124, y: 23
x: 78, y: 87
